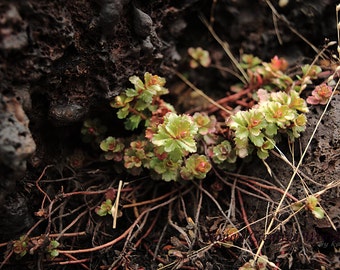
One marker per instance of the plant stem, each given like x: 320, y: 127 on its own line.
x: 134, y: 111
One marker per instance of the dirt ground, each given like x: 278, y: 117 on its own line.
x: 62, y: 62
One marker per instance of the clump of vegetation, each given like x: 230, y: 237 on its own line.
x: 105, y: 208
x: 260, y: 127
x: 25, y: 245
x: 139, y: 103
x: 199, y: 57
x: 168, y: 145
x: 320, y: 95
x: 52, y: 249
x: 176, y: 146
x: 171, y: 145
x: 311, y: 204
x: 20, y: 246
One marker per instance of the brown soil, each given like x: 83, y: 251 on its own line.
x: 61, y: 62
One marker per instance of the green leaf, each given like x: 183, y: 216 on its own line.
x: 123, y: 112
x: 146, y: 96
x: 262, y: 153
x: 130, y: 92
x: 137, y: 82
x: 249, y: 61
x: 120, y: 101
x: 176, y: 155
x: 257, y: 140
x: 157, y: 165
x: 161, y: 137
x: 188, y: 144
x: 242, y: 147
x: 142, y: 105
x: 101, y: 212
x: 311, y: 70
x: 271, y: 129
x: 54, y: 244
x: 239, y: 119
x: 54, y: 253
x: 170, y: 175
x: 297, y: 206
x: 318, y: 213
x: 297, y: 103
x: 132, y: 122
x: 242, y: 132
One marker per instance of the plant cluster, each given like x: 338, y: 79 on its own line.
x: 320, y: 95
x: 280, y: 109
x: 20, y: 246
x: 176, y: 146
x: 179, y: 146
x: 26, y: 244
x: 169, y: 146
x: 267, y: 75
x: 52, y: 249
x: 259, y: 127
x: 199, y: 57
x: 139, y: 103
x: 273, y: 76
x: 105, y: 208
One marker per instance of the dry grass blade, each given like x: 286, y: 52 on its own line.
x: 114, y: 209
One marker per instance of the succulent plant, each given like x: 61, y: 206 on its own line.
x: 176, y: 135
x: 199, y: 57
x: 196, y: 166
x: 320, y: 95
